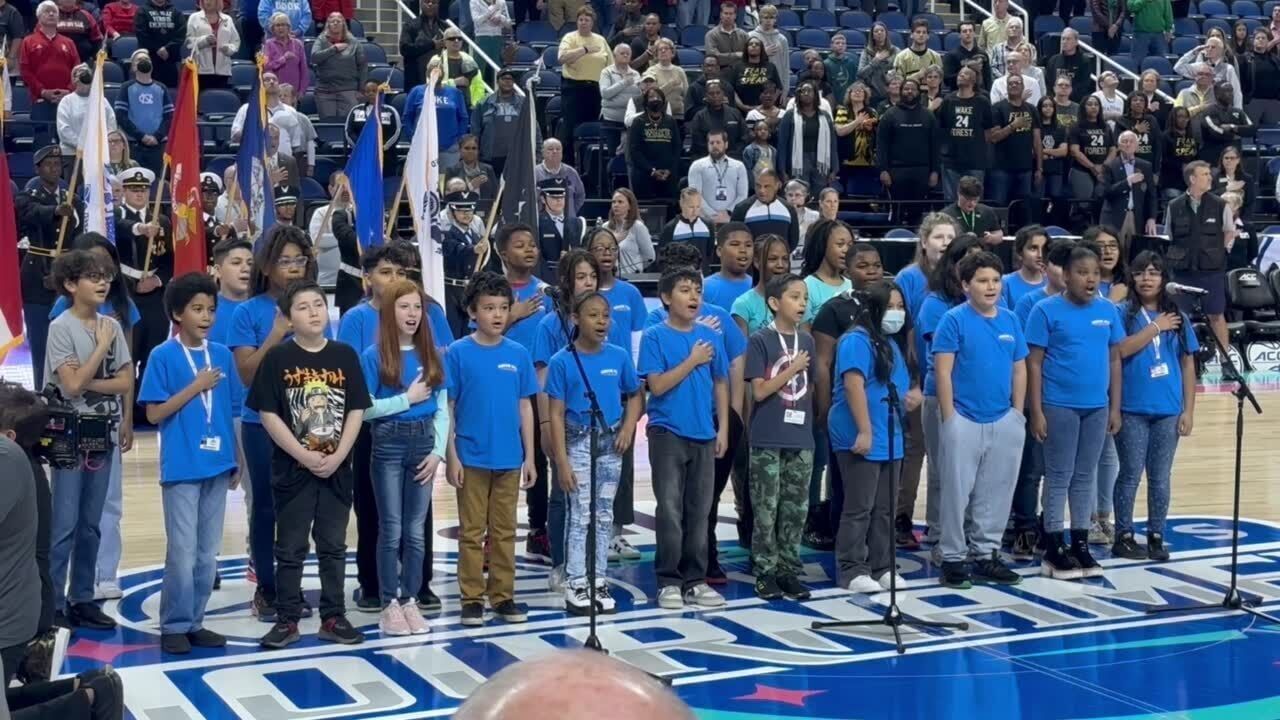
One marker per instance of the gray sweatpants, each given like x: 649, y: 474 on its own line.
x: 979, y: 472
x: 930, y: 420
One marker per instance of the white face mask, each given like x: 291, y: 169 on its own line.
x: 893, y: 321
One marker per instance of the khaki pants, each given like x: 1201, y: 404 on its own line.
x: 487, y: 501
x: 560, y: 12
x: 1127, y: 229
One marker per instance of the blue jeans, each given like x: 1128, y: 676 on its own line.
x: 193, y: 514
x: 1104, y: 477
x: 1145, y: 441
x: 578, y: 505
x: 36, y: 318
x: 951, y: 180
x: 1146, y: 44
x: 399, y: 446
x: 109, y: 549
x: 78, y: 497
x: 258, y: 448
x: 693, y: 12
x: 1009, y: 185
x: 1071, y: 452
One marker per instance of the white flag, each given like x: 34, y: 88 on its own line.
x: 93, y: 163
x: 422, y: 172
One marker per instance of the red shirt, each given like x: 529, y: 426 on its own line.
x: 118, y: 17
x: 47, y: 62
x: 320, y: 9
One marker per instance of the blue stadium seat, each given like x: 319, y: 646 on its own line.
x: 855, y: 20
x: 1268, y: 6
x: 935, y: 23
x: 813, y: 38
x: 797, y: 61
x: 219, y: 164
x: 1246, y: 9
x: 789, y: 19
x: 1186, y: 26
x: 242, y: 75
x: 894, y: 20
x: 398, y: 101
x: 689, y: 58
x: 1184, y: 44
x: 1223, y: 24
x: 950, y: 41
x: 525, y: 56
x: 307, y: 104
x: 1047, y: 24
x: 551, y: 57
x: 693, y: 36
x: 112, y: 73
x: 935, y: 43
x: 313, y: 190
x: 357, y: 28
x: 217, y: 104
x: 854, y: 39
x: 537, y: 33
x: 898, y: 38
x: 1268, y: 137
x: 900, y: 234
x: 1125, y: 61
x: 21, y: 102
x: 1083, y: 25
x: 1055, y: 231
x: 325, y: 167
x: 1160, y: 64
x: 389, y: 75
x: 373, y: 53
x: 671, y: 33
x: 1214, y: 8
x: 821, y: 19
x: 22, y: 165
x: 186, y: 6
x: 123, y: 47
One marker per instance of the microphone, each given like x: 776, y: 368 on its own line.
x: 553, y: 292
x: 1180, y: 289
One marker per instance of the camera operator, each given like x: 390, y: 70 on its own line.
x: 20, y: 583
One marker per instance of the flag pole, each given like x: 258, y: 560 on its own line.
x: 71, y: 193
x: 155, y: 215
x: 483, y: 258
x: 328, y: 211
x: 394, y: 211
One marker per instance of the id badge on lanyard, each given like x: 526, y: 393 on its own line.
x: 790, y: 415
x: 1159, y: 368
x: 209, y: 441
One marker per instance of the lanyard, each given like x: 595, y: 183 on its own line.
x: 790, y: 354
x: 206, y: 396
x: 969, y: 221
x: 1156, y: 341
x: 720, y: 173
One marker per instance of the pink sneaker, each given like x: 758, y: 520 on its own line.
x: 413, y: 618
x: 392, y: 622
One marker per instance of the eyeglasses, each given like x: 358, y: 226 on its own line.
x: 99, y: 277
x: 296, y: 261
x: 602, y: 250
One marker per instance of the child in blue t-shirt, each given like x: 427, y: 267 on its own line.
x: 937, y: 230
x: 686, y: 366
x: 1114, y: 287
x: 491, y: 383
x: 408, y: 446
x: 611, y: 378
x: 980, y: 376
x: 869, y: 360
x: 1028, y: 251
x: 1158, y: 399
x: 188, y: 392
x: 772, y: 258
x: 1073, y: 381
x: 733, y: 248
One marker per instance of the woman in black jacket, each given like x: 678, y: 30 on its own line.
x: 1229, y: 176
x: 1260, y: 80
x: 653, y: 149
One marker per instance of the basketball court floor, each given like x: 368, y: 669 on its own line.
x: 1041, y: 650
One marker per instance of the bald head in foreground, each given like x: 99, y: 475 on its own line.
x: 572, y: 685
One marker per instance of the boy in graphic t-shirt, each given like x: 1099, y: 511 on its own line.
x: 311, y: 396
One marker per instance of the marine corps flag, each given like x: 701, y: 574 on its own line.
x: 182, y: 155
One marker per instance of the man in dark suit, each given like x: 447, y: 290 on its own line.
x: 558, y: 233
x: 1129, y: 196
x: 283, y: 167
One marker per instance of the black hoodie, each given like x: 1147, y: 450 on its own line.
x: 907, y: 137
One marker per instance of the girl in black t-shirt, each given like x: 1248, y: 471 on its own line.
x: 1145, y: 125
x: 1180, y: 146
x: 1091, y: 145
x: 1051, y: 155
x: 752, y: 74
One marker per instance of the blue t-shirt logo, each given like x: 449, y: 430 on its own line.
x: 1102, y: 323
x: 608, y: 372
x: 508, y: 367
x: 1006, y: 338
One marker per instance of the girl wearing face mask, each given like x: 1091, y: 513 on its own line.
x: 870, y: 358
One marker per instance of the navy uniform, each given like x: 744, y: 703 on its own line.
x: 40, y: 208
x: 557, y: 234
x: 286, y: 199
x: 140, y: 257
x: 458, y: 246
x: 210, y: 189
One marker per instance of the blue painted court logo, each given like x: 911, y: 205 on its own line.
x: 1043, y: 649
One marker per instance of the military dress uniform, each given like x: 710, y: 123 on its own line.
x: 141, y: 257
x: 457, y: 245
x: 557, y: 234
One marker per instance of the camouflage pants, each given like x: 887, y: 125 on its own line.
x: 780, y: 499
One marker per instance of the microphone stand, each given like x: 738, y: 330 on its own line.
x: 893, y: 615
x: 1232, y: 601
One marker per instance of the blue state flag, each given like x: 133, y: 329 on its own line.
x: 364, y: 172
x: 253, y: 177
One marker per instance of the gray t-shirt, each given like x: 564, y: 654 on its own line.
x: 70, y: 339
x: 765, y: 359
x: 19, y: 577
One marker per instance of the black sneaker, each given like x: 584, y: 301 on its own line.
x: 792, y: 587
x: 512, y: 612
x: 1128, y: 548
x: 904, y: 534
x: 1080, y: 551
x: 108, y: 692
x: 60, y: 620
x: 537, y: 546
x: 428, y: 601
x: 338, y: 629
x: 1024, y: 545
x: 205, y: 638
x: 993, y: 571
x: 368, y: 602
x: 1156, y: 549
x: 1007, y: 539
x: 715, y: 574
x: 1058, y: 562
x: 89, y: 615
x: 767, y: 587
x: 956, y: 575
x: 280, y: 636
x: 263, y: 610
x: 472, y: 614
x: 175, y: 644
x: 816, y: 535
x: 217, y: 580
x: 577, y: 600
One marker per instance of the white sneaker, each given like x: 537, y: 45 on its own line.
x: 107, y: 590
x: 391, y: 622
x: 418, y: 625
x: 864, y: 584
x: 669, y: 598
x: 620, y: 549
x: 605, y: 600
x: 884, y: 580
x: 555, y: 581
x: 703, y: 596
x: 576, y: 599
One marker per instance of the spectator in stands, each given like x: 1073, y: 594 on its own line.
x: 1261, y: 80
x: 1229, y: 176
x: 1223, y: 125
x: 481, y: 178
x: 144, y: 111
x: 722, y: 180
x: 451, y: 115
x: 559, y: 11
x: 687, y: 226
x: 972, y: 216
x: 320, y: 230
x: 118, y: 159
x: 494, y: 122
x: 1066, y: 110
x: 286, y: 58
x: 340, y: 67
x: 717, y: 116
x: 213, y: 38
x: 46, y: 60
x: 964, y: 119
x: 73, y: 109
x: 1031, y: 67
x: 279, y: 114
x: 671, y: 78
x: 420, y: 40
x: 1148, y: 87
x: 967, y: 54
x: 807, y: 140
x: 1091, y: 147
x: 1181, y: 145
x: 876, y: 61
x: 1129, y: 191
x: 653, y: 149
x: 995, y: 29
x: 161, y: 29
x: 636, y: 108
x: 1152, y: 28
x: 1197, y: 98
x: 1146, y: 128
x: 1073, y: 64
x: 1109, y: 95
x: 907, y: 151
x: 629, y: 24
x: 767, y: 113
x: 917, y: 57
x: 766, y: 212
x: 1014, y: 143
x: 750, y: 76
x: 80, y: 26
x: 1201, y: 233
x: 726, y: 40
x: 584, y: 55
x: 797, y: 194
x: 1274, y: 26
x: 306, y: 154
x: 815, y: 73
x: 635, y: 246
x: 759, y: 155
x: 282, y: 165
x: 644, y: 49
x: 298, y: 12
x: 118, y: 18
x: 1227, y: 52
x: 696, y: 98
x: 389, y: 118
x: 893, y: 92
x: 491, y: 23
x: 776, y: 46
x: 1213, y: 54
x: 1051, y: 157
x: 323, y: 8
x: 931, y: 91
x: 856, y: 122
x: 1108, y: 20
x: 553, y: 166
x: 1015, y: 64
x: 842, y: 68
x: 1000, y: 53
